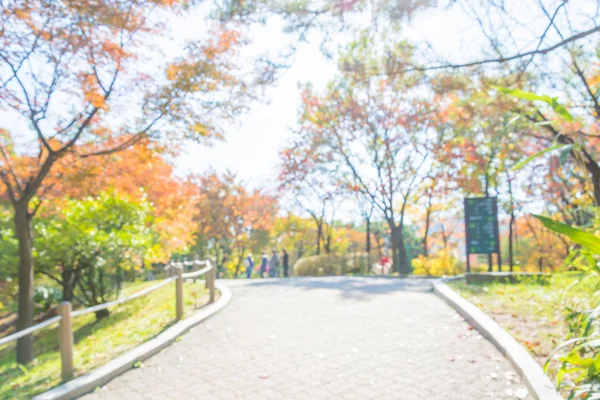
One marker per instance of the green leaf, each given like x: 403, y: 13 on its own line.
x: 564, y: 148
x: 561, y: 110
x: 552, y: 101
x: 521, y: 94
x: 586, y: 239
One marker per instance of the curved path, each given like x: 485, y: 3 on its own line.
x: 326, y: 338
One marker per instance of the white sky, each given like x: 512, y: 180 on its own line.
x: 252, y: 146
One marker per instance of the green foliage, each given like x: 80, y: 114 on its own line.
x: 439, y: 264
x: 321, y: 265
x: 536, y: 312
x: 562, y: 148
x: 588, y: 240
x: 9, y: 258
x: 552, y: 101
x: 88, y: 245
x: 46, y: 297
x: 579, y: 357
x: 332, y: 264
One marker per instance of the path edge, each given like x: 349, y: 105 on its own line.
x: 102, y: 375
x: 538, y: 383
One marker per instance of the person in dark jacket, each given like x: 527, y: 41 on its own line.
x: 274, y: 265
x: 285, y: 263
x: 249, y: 263
x: 263, y: 264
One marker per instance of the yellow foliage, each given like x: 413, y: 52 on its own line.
x: 438, y: 264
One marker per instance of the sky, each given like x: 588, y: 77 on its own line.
x: 252, y: 146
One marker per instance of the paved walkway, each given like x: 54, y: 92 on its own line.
x: 326, y: 338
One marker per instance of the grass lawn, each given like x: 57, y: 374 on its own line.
x: 533, y: 311
x: 96, y: 343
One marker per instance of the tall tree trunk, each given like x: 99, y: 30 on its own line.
x: 403, y: 266
x: 395, y: 259
x: 25, y: 318
x: 67, y: 284
x: 510, y: 241
x: 368, y: 220
x: 319, y: 235
x: 327, y: 239
x: 399, y: 255
x: 424, y: 244
x: 595, y: 172
x: 510, y: 225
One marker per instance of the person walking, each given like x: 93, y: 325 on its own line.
x: 274, y: 265
x: 263, y: 264
x: 286, y: 263
x: 249, y: 265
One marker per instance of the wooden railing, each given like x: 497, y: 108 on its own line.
x: 66, y: 314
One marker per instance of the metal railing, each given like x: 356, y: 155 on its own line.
x: 66, y: 315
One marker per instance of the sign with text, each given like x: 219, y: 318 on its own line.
x: 481, y: 225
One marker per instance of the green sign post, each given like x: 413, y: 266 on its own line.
x: 481, y: 227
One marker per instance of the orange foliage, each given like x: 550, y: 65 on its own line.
x: 138, y: 171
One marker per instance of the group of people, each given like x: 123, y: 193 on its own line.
x: 269, y: 265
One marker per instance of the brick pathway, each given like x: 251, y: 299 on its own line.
x: 326, y: 338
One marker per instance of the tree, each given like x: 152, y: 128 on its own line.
x: 86, y: 245
x: 374, y: 131
x: 72, y: 81
x: 229, y: 215
x: 296, y: 235
x: 314, y: 187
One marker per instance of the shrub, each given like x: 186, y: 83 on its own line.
x: 330, y: 264
x: 46, y: 297
x: 324, y: 264
x: 439, y: 264
x: 358, y: 263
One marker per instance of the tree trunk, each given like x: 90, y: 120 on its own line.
x: 424, y: 243
x: 403, y: 266
x: 368, y: 235
x: 595, y: 172
x: 25, y: 318
x: 399, y: 255
x: 393, y: 239
x: 327, y: 244
x: 319, y: 235
x: 510, y: 240
x: 67, y: 284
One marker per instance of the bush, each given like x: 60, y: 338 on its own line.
x: 439, y: 264
x: 46, y: 297
x: 324, y: 264
x: 330, y: 264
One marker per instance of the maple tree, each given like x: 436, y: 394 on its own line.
x: 75, y: 80
x: 313, y: 187
x: 371, y: 130
x: 229, y: 215
x: 296, y: 235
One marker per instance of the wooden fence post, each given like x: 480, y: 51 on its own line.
x: 65, y: 340
x: 212, y: 276
x: 179, y: 293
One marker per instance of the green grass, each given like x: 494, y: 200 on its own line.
x: 96, y: 343
x: 533, y: 311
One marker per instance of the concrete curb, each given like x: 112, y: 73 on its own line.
x: 539, y: 385
x: 102, y: 375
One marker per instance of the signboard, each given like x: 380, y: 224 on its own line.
x: 481, y: 225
